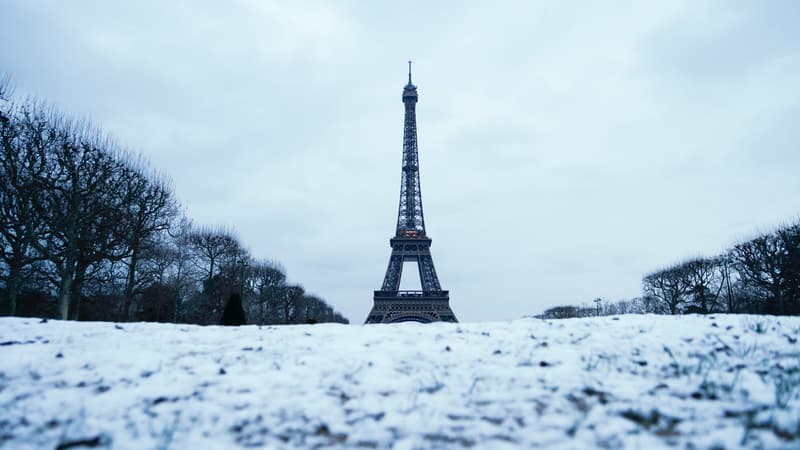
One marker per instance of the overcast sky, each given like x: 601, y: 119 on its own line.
x: 566, y: 148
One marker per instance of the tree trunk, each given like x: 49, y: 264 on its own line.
x: 12, y: 285
x: 64, y: 292
x: 211, y: 269
x: 177, y: 304
x: 673, y: 307
x: 263, y: 311
x: 129, y: 284
x: 77, y: 287
x: 703, y: 300
x: 731, y: 307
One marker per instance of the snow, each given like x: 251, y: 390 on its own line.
x: 639, y: 382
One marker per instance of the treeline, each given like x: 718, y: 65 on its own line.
x: 90, y: 232
x: 637, y: 305
x: 758, y: 276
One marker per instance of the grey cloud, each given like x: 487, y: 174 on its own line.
x: 566, y: 148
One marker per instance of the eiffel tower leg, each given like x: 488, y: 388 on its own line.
x: 427, y: 274
x: 393, y: 273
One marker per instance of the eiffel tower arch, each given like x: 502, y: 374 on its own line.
x: 410, y: 243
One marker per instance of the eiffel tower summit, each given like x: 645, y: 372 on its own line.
x: 410, y: 243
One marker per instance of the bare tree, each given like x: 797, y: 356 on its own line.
x: 5, y: 94
x: 705, y: 278
x: 214, y: 247
x: 727, y: 272
x: 763, y: 263
x: 80, y: 205
x: 220, y: 261
x: 290, y: 303
x: 236, y: 269
x: 266, y: 281
x: 22, y: 167
x: 669, y: 285
x: 151, y: 210
x: 790, y: 236
x: 177, y: 259
x: 560, y: 312
x: 313, y: 309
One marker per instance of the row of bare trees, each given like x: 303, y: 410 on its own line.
x: 637, y: 305
x: 761, y: 275
x: 88, y: 231
x: 758, y: 276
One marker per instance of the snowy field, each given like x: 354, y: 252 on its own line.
x: 640, y: 382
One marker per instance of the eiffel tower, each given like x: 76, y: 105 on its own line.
x: 410, y: 243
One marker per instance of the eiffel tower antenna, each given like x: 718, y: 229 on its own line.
x: 410, y: 242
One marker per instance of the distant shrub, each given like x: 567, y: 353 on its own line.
x: 234, y: 312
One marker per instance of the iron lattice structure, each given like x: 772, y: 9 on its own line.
x: 410, y: 242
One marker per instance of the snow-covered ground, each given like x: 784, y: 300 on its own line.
x: 640, y: 382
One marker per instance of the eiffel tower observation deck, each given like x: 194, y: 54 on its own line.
x: 410, y: 243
